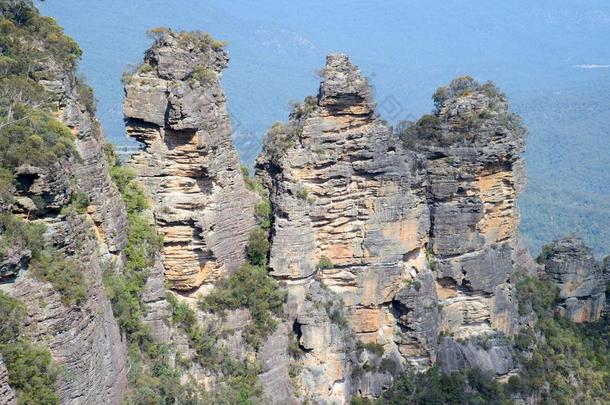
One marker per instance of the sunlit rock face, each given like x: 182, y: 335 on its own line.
x: 175, y: 106
x: 350, y: 211
x: 417, y: 234
x: 475, y: 172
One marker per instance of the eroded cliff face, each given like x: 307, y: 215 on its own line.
x: 175, y: 106
x: 417, y: 236
x: 475, y: 173
x: 83, y: 339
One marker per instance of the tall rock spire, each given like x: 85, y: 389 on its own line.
x: 175, y: 106
x: 350, y: 214
x: 473, y: 147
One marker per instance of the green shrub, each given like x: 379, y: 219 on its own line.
x: 79, y: 202
x: 15, y: 232
x: 202, y: 40
x: 143, y: 243
x: 85, y: 95
x: 563, y: 362
x: 434, y: 387
x: 535, y: 294
x: 545, y: 254
x: 258, y: 247
x: 250, y: 287
x: 35, y: 138
x: 7, y: 184
x: 203, y: 75
x: 31, y: 371
x: 262, y: 214
x: 325, y: 263
x: 12, y: 313
x: 131, y: 191
x: 63, y: 273
x: 303, y: 194
x: 279, y: 139
x: 303, y: 110
x: 371, y: 347
x: 389, y: 365
x: 47, y: 263
x: 182, y: 314
x: 145, y: 68
x: 262, y: 210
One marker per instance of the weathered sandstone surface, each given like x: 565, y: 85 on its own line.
x: 417, y: 236
x: 84, y: 340
x: 175, y: 106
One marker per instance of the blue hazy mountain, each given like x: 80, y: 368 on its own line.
x: 550, y: 57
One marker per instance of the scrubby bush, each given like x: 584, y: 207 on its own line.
x: 131, y: 191
x: 85, y: 95
x: 279, y: 139
x: 563, y: 362
x: 47, y: 263
x: 34, y: 138
x: 303, y: 110
x: 371, y: 347
x: 539, y: 295
x: 200, y: 39
x: 258, y: 247
x: 31, y: 371
x: 7, y: 183
x: 64, y: 274
x: 434, y: 387
x: 203, y: 75
x: 262, y: 210
x: 325, y: 263
x: 250, y: 287
x: 15, y: 232
x: 545, y: 254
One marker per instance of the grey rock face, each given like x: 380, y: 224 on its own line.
x: 84, y: 340
x: 416, y: 308
x: 572, y: 267
x: 489, y: 353
x: 606, y: 272
x: 7, y: 395
x: 473, y: 147
x: 40, y: 191
x: 15, y: 260
x: 188, y: 166
x: 275, y: 361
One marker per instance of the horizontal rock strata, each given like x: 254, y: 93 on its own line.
x: 175, y: 106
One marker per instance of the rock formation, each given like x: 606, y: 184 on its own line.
x: 7, y: 395
x: 572, y: 267
x: 349, y: 211
x: 418, y: 238
x: 397, y: 250
x: 85, y: 339
x: 175, y: 106
x: 473, y: 148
